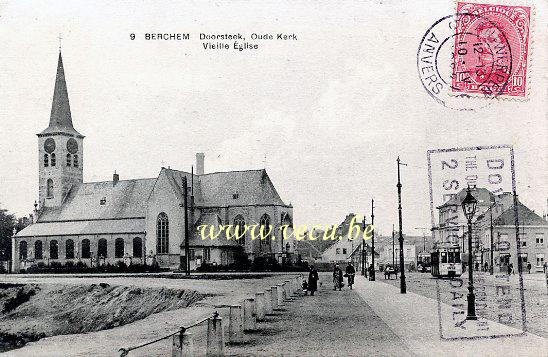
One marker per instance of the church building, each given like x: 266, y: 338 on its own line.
x: 140, y: 221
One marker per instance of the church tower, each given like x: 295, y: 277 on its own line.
x: 60, y: 148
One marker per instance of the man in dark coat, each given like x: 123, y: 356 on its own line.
x: 350, y: 273
x: 312, y: 280
x: 337, y: 277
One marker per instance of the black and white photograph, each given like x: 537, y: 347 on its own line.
x: 274, y: 178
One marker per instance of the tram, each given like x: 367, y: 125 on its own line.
x: 423, y: 262
x: 445, y: 261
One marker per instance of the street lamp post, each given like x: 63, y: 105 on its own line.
x: 187, y: 242
x: 469, y: 207
x: 403, y: 287
x: 364, y: 253
x: 372, y: 277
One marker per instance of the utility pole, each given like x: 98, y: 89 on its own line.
x: 372, y: 277
x: 187, y: 241
x: 403, y: 287
x: 364, y: 252
x: 393, y: 248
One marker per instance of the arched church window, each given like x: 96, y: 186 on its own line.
x: 46, y: 160
x: 162, y: 234
x: 54, y: 249
x: 23, y: 250
x: 265, y: 228
x: 119, y: 248
x: 102, y: 248
x: 75, y: 160
x: 69, y: 159
x: 53, y: 159
x: 239, y: 229
x: 38, y: 250
x: 86, y: 251
x: 137, y: 247
x: 69, y: 249
x: 49, y: 188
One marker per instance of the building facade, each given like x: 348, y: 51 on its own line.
x: 140, y: 221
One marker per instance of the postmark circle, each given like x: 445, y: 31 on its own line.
x: 447, y: 58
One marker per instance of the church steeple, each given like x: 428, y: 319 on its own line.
x: 60, y: 148
x: 60, y: 118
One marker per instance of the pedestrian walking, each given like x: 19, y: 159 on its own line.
x: 350, y: 273
x: 312, y: 285
x: 486, y: 267
x: 477, y: 266
x: 528, y: 267
x: 510, y: 268
x: 370, y: 270
x: 337, y: 278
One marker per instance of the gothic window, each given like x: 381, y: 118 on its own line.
x: 119, y: 248
x: 53, y: 159
x: 49, y: 189
x: 265, y: 228
x: 23, y: 250
x: 69, y: 161
x: 162, y: 234
x: 86, y: 251
x: 75, y: 161
x: 38, y: 250
x: 239, y: 229
x: 46, y: 160
x: 207, y: 254
x: 69, y: 249
x: 137, y: 247
x: 102, y: 248
x: 54, y: 249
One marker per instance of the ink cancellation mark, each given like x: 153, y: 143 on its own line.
x: 437, y: 53
x: 500, y: 310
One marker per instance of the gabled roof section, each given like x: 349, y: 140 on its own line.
x: 250, y: 187
x: 102, y: 200
x: 60, y: 120
x: 483, y: 195
x: 526, y: 217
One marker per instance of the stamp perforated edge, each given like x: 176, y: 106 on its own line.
x: 530, y: 53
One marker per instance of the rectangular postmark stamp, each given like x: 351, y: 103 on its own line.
x: 491, y: 49
x: 479, y: 285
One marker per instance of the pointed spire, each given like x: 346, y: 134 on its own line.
x: 60, y: 118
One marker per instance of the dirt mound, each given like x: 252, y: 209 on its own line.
x: 32, y: 312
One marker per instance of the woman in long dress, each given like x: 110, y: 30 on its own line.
x: 312, y: 280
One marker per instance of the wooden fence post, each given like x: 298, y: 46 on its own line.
x: 215, y: 337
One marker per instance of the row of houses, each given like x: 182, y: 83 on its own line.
x: 495, y: 235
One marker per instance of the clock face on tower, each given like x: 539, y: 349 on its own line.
x: 49, y: 145
x: 72, y: 146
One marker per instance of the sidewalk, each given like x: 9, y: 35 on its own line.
x: 414, y: 319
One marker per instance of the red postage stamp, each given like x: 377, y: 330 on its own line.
x: 491, y: 49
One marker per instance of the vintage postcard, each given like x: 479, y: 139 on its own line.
x: 274, y: 178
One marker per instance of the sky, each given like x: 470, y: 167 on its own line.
x: 326, y: 115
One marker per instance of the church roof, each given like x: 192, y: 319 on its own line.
x: 60, y: 119
x: 102, y: 200
x: 249, y: 187
x: 219, y: 189
x: 72, y: 228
